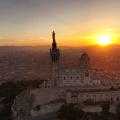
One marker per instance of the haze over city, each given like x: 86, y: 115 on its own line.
x: 76, y: 23
x: 59, y: 59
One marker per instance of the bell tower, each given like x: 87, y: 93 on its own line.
x: 55, y: 56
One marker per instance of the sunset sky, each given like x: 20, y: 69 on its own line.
x: 76, y: 22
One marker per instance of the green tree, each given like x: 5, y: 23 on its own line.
x: 70, y: 112
x: 105, y: 110
x: 9, y: 90
x: 118, y: 110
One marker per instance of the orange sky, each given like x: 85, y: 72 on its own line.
x: 66, y: 39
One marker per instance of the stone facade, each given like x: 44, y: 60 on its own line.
x: 93, y: 96
x: 77, y: 77
x: 51, y: 99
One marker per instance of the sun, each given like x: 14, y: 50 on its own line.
x: 104, y: 39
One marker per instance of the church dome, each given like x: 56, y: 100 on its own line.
x: 84, y: 59
x: 84, y: 56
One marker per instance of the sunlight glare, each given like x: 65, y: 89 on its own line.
x: 104, y: 39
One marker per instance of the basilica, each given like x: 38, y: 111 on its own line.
x: 81, y: 76
x: 67, y: 85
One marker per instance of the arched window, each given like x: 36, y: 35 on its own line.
x: 71, y: 77
x: 78, y: 77
x: 64, y: 78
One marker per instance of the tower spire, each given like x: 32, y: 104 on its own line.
x: 53, y: 36
x: 54, y: 51
x: 54, y: 45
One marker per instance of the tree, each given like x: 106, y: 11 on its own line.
x: 70, y: 112
x: 105, y: 110
x: 118, y: 110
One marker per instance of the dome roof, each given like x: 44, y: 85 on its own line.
x: 84, y: 57
x: 84, y: 60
